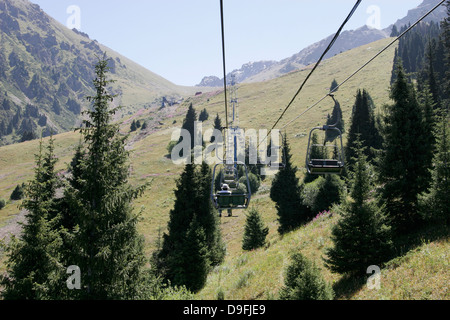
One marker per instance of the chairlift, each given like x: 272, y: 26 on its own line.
x: 232, y: 195
x: 326, y: 166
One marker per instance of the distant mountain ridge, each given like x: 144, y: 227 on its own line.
x: 414, y: 14
x: 252, y: 71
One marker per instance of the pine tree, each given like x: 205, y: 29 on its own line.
x: 34, y: 270
x: 255, y: 232
x: 286, y: 193
x: 133, y: 126
x: 445, y: 25
x: 203, y: 115
x: 362, y: 236
x: 303, y: 281
x: 336, y: 120
x: 189, y: 124
x: 435, y: 202
x: 207, y: 216
x: 334, y: 86
x: 106, y: 245
x: 217, y: 126
x: 193, y: 232
x: 403, y: 164
x: 394, y: 32
x: 363, y: 127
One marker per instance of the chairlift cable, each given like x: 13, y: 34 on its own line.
x: 336, y: 36
x: 224, y: 62
x: 365, y: 65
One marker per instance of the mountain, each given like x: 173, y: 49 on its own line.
x: 266, y: 70
x: 414, y: 14
x: 247, y: 70
x: 46, y: 71
x: 347, y: 40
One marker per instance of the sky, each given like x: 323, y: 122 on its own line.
x: 180, y: 40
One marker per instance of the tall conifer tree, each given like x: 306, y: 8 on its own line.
x: 106, y: 245
x: 34, y: 271
x: 403, y: 166
x: 362, y: 236
x: 436, y: 202
x: 286, y: 193
x: 193, y: 232
x: 363, y: 127
x: 189, y: 123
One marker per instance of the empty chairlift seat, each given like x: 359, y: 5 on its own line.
x: 325, y: 166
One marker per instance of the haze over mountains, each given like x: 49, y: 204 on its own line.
x: 266, y: 70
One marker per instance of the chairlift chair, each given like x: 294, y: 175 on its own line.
x: 232, y: 195
x: 325, y: 166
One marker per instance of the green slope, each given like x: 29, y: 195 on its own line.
x: 257, y: 274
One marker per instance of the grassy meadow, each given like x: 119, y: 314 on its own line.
x: 257, y: 274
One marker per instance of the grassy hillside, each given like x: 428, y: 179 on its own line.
x: 257, y: 274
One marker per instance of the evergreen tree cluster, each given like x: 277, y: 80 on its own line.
x: 92, y: 225
x: 193, y: 244
x: 397, y: 165
x: 398, y: 180
x: 423, y: 53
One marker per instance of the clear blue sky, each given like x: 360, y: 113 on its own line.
x: 181, y: 39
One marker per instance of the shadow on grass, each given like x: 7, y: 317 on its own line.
x: 348, y: 285
x: 426, y: 233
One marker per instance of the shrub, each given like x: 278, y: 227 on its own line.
x: 170, y: 147
x: 2, y: 203
x: 361, y: 238
x: 323, y: 192
x: 18, y: 193
x: 253, y: 180
x: 255, y: 232
x: 303, y: 281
